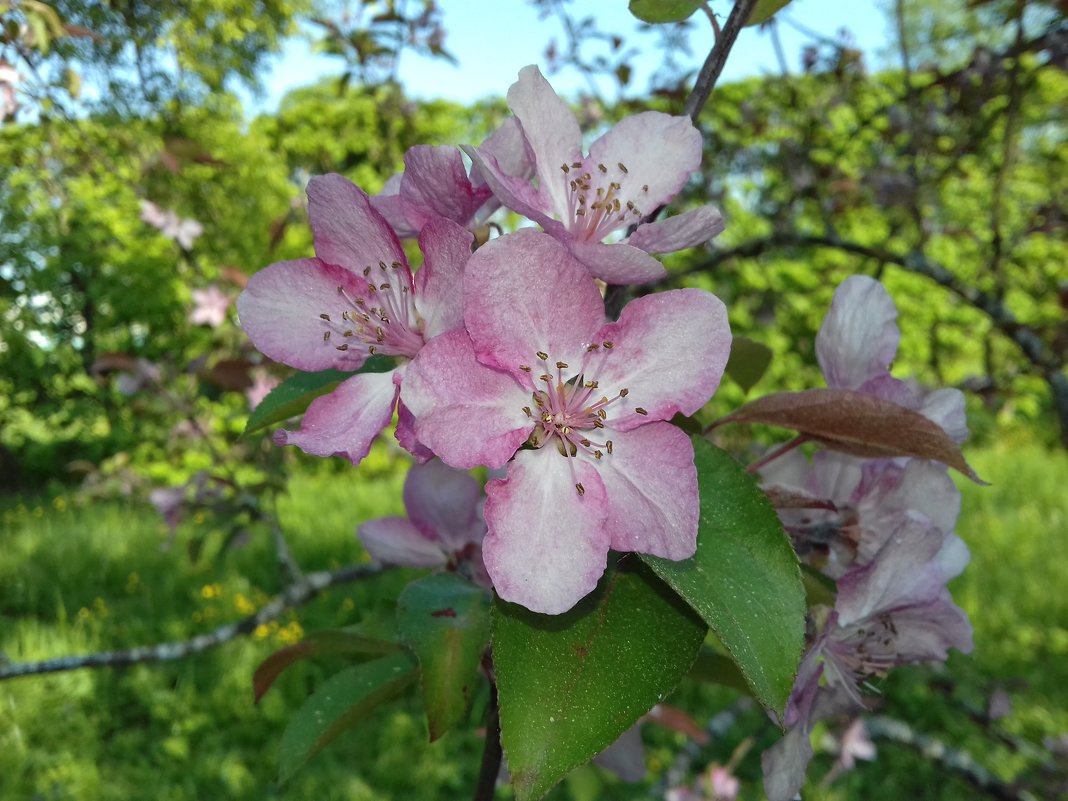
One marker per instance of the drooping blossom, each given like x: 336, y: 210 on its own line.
x: 184, y: 231
x: 631, y: 171
x: 855, y: 743
x: 356, y: 298
x: 209, y: 306
x: 538, y: 365
x: 857, y: 343
x: 435, y: 183
x: 444, y: 526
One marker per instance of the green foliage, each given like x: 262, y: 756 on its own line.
x: 744, y: 580
x: 445, y: 620
x: 570, y: 684
x: 765, y: 10
x: 656, y: 11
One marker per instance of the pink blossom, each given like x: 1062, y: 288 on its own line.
x: 631, y: 171
x: 167, y: 221
x: 262, y: 384
x: 539, y: 365
x: 723, y: 785
x: 9, y: 80
x: 444, y: 526
x: 857, y: 343
x: 357, y: 298
x: 435, y: 184
x: 855, y: 744
x: 209, y: 306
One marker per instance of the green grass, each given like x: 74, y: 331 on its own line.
x: 81, y: 578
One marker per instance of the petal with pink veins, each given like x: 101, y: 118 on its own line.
x: 551, y: 131
x: 436, y: 185
x: 658, y: 151
x: 281, y: 310
x: 466, y: 413
x: 405, y: 434
x: 859, y: 336
x: 524, y: 293
x: 651, y: 487
x: 395, y: 541
x: 679, y: 231
x: 442, y: 503
x: 668, y: 350
x: 347, y: 229
x: 615, y: 264
x: 346, y: 422
x: 546, y: 545
x: 439, y: 283
x: 515, y: 192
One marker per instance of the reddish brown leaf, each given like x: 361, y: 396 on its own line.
x: 674, y: 718
x: 112, y: 361
x: 81, y: 32
x: 232, y: 374
x: 789, y: 499
x: 235, y: 276
x: 857, y: 424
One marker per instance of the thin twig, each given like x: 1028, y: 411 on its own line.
x: 293, y: 596
x: 491, y: 751
x: 717, y: 58
x: 771, y: 456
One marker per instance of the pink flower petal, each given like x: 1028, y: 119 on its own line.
x: 508, y: 147
x: 546, y: 546
x: 281, y: 307
x: 516, y: 193
x: 614, y: 264
x: 439, y: 283
x: 436, y: 185
x: 347, y: 229
x: 551, y: 131
x: 405, y: 434
x: 859, y: 336
x: 679, y: 231
x: 785, y: 764
x: 659, y: 151
x: 466, y: 413
x: 925, y: 633
x: 388, y: 203
x: 346, y: 422
x: 524, y: 293
x: 651, y: 485
x: 442, y: 503
x: 668, y: 350
x: 395, y: 541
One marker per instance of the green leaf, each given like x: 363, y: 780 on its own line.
x: 764, y: 10
x: 748, y: 362
x: 342, y: 701
x: 744, y: 579
x: 570, y: 684
x: 293, y: 395
x: 716, y: 668
x: 320, y: 643
x: 445, y: 619
x: 655, y: 11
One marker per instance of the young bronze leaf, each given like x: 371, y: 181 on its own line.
x: 857, y: 424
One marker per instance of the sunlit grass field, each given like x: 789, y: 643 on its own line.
x: 85, y: 577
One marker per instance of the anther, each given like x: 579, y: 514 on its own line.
x: 607, y: 345
x: 326, y: 335
x: 608, y: 446
x: 372, y: 350
x: 396, y: 265
x: 349, y: 333
x: 343, y: 347
x: 597, y: 454
x: 585, y: 443
x: 561, y: 365
x: 645, y: 187
x: 542, y: 355
x: 382, y: 265
x: 602, y: 414
x: 385, y: 286
x: 591, y: 348
x: 576, y: 165
x: 565, y: 168
x: 581, y: 489
x: 640, y: 410
x: 624, y: 392
x: 622, y: 168
x: 590, y: 384
x: 602, y: 168
x: 525, y: 368
x: 598, y: 424
x: 526, y: 410
x: 324, y: 317
x: 548, y: 379
x: 366, y: 271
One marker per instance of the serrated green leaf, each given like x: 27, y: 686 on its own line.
x: 716, y: 668
x: 748, y: 362
x: 294, y: 395
x: 445, y: 620
x: 744, y: 579
x: 764, y: 10
x: 656, y: 11
x: 570, y: 684
x: 341, y: 702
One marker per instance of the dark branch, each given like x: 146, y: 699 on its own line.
x: 717, y: 58
x: 491, y: 752
x: 293, y: 596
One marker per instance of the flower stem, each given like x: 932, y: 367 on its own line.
x: 800, y: 439
x: 491, y: 752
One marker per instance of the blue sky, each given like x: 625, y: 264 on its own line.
x: 493, y: 39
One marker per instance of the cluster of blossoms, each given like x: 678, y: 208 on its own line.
x: 182, y: 230
x: 504, y: 357
x: 881, y: 529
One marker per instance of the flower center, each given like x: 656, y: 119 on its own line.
x: 570, y: 411
x: 385, y: 322
x: 597, y: 203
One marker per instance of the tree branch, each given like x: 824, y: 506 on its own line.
x: 717, y: 58
x: 295, y: 595
x: 1033, y: 347
x: 491, y: 752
